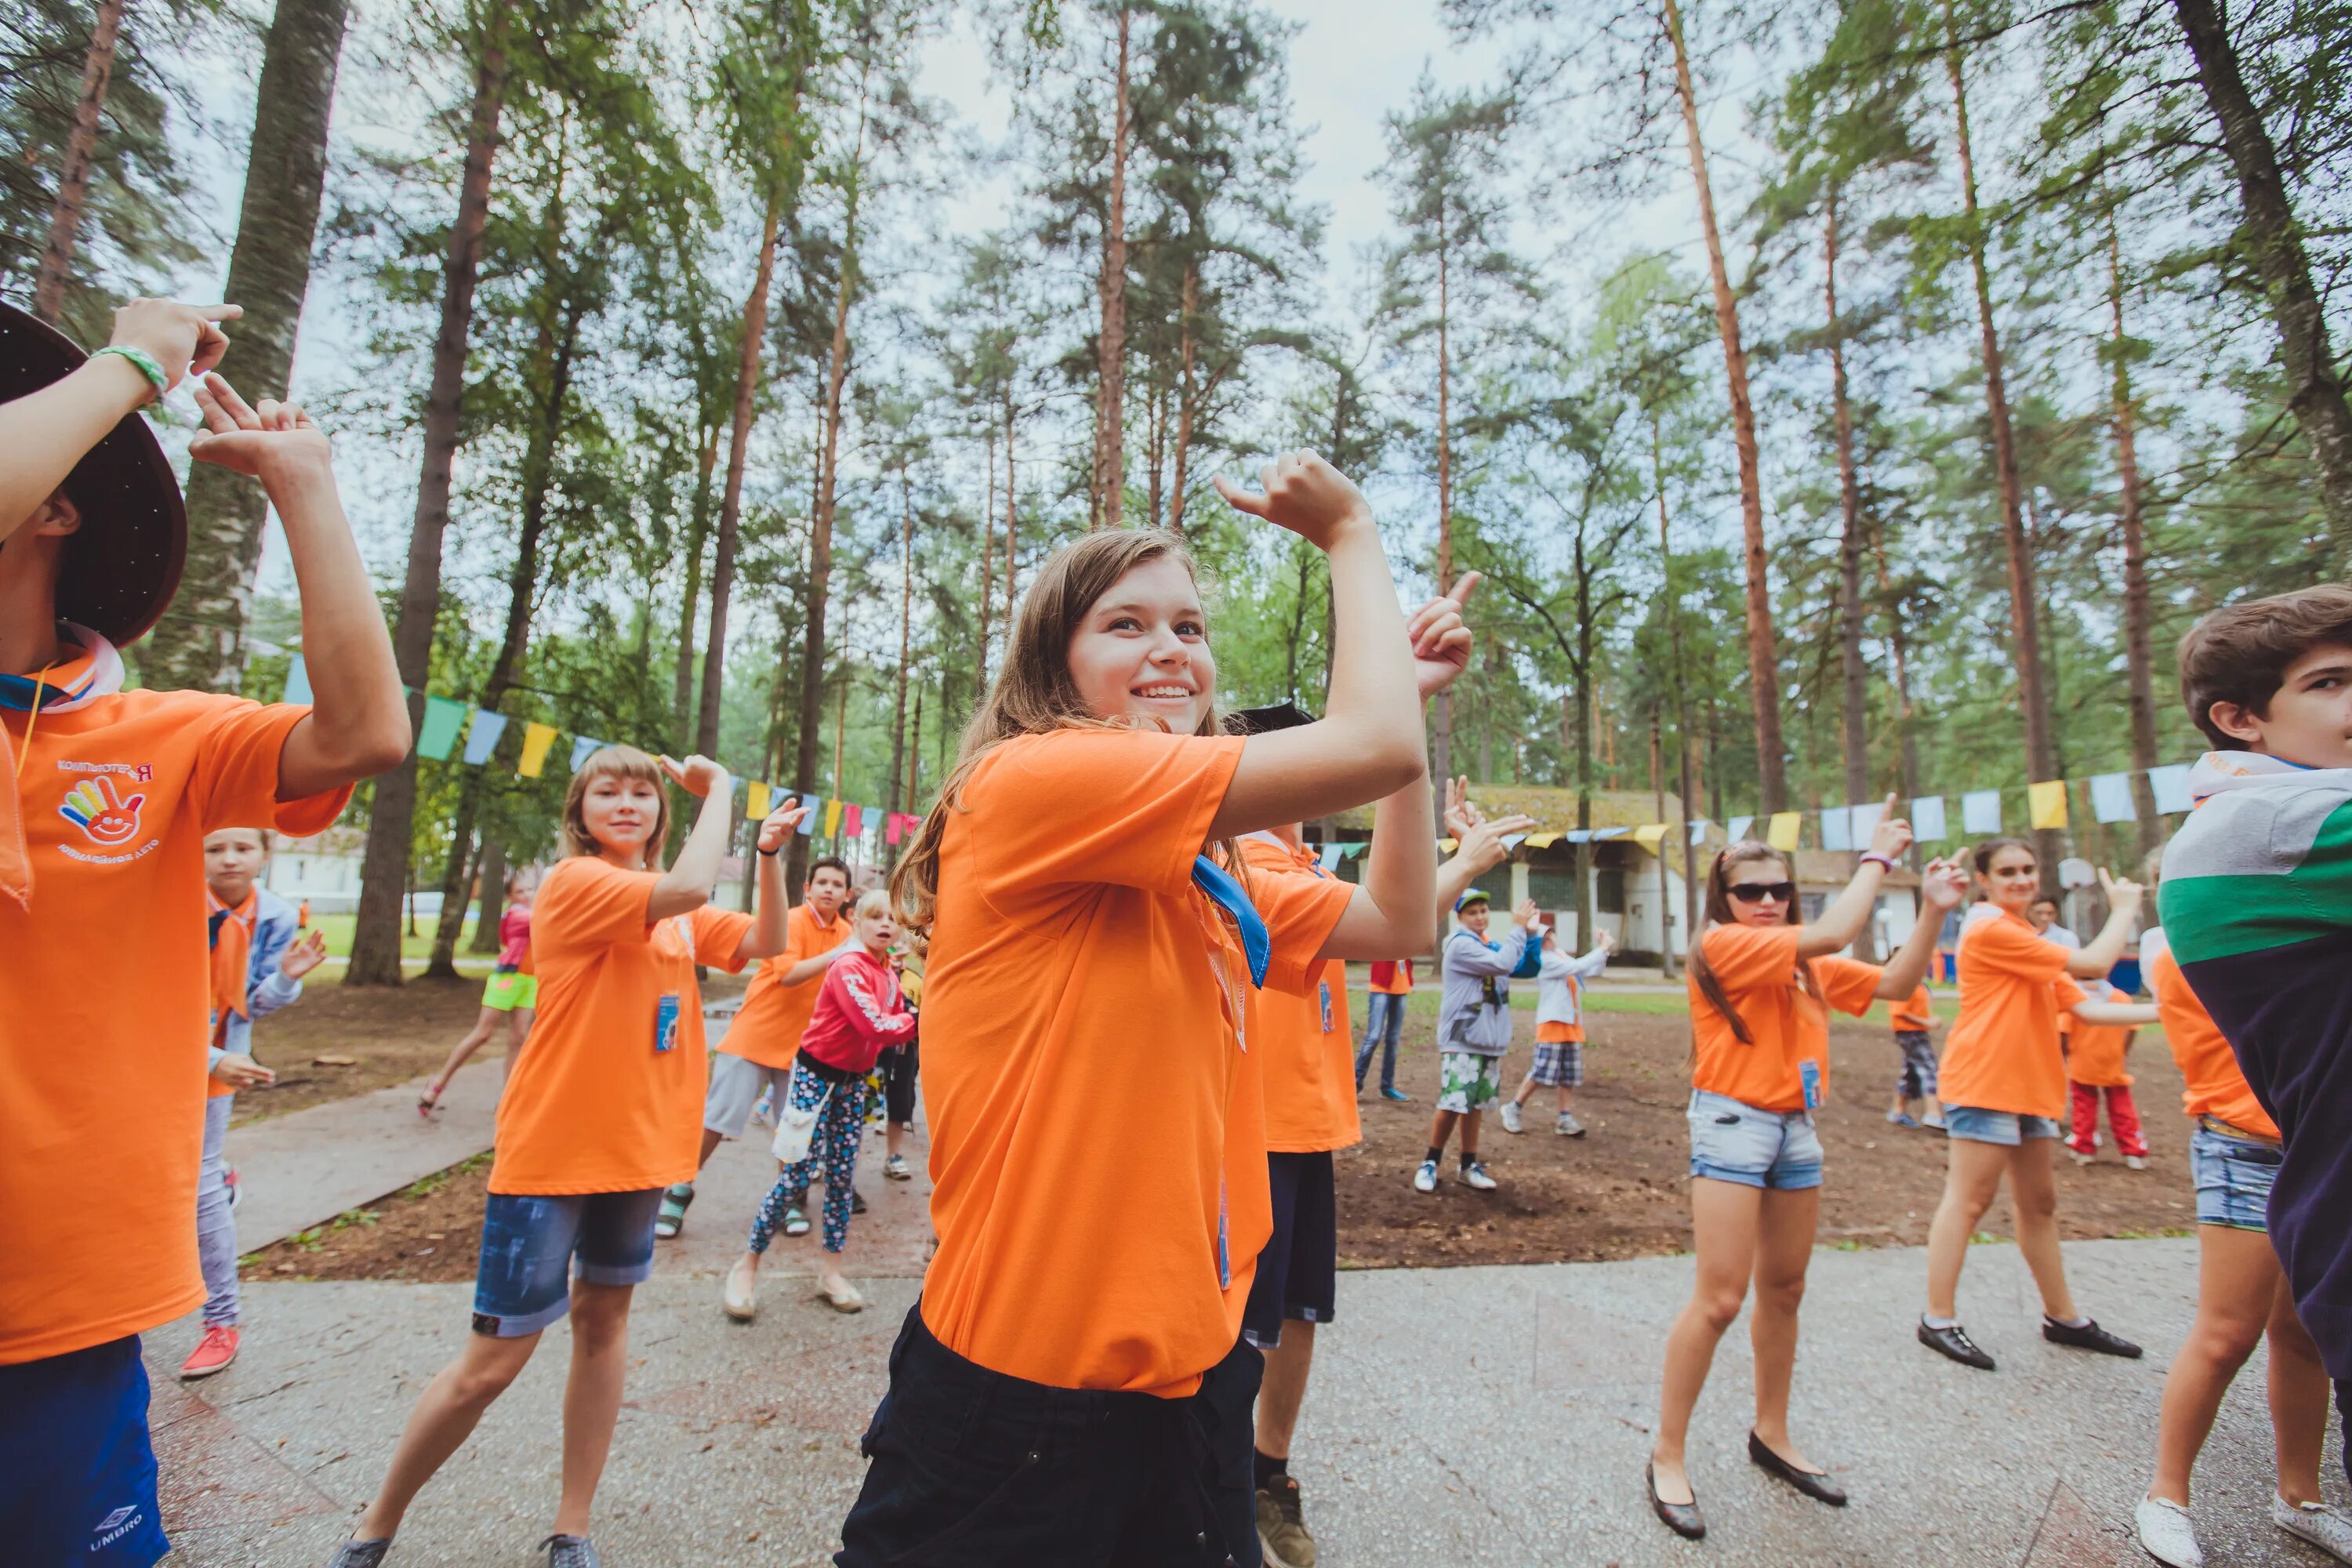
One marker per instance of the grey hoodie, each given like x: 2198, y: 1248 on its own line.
x: 1474, y: 1013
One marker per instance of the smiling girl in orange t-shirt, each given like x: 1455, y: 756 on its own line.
x: 1761, y: 988
x: 2004, y: 1087
x: 1099, y: 1146
x: 602, y: 1112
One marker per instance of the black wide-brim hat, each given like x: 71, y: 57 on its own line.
x: 1265, y: 720
x: 122, y: 565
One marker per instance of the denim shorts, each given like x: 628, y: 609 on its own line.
x: 2233, y: 1177
x: 532, y: 1245
x: 1732, y: 1140
x: 2005, y: 1127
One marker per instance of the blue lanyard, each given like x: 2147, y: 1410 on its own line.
x: 1227, y: 894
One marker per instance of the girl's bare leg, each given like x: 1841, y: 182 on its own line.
x: 2033, y: 1194
x: 1971, y: 1179
x: 444, y: 1418
x: 1786, y: 1224
x: 2236, y: 1280
x: 591, y: 1395
x: 1724, y: 1222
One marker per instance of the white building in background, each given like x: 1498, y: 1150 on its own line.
x: 324, y: 872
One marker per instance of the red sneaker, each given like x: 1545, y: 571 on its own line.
x: 213, y: 1352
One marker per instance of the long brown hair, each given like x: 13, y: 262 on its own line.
x: 1718, y: 912
x: 1032, y: 694
x: 628, y: 762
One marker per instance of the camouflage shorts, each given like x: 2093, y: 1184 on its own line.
x: 1467, y: 1082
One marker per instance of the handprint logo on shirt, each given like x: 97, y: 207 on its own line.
x: 94, y: 807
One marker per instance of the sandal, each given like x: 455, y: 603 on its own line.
x: 795, y: 1222
x: 430, y: 1100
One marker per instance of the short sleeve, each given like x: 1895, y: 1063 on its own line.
x: 1300, y: 911
x: 236, y: 773
x: 2068, y: 993
x: 1746, y: 958
x: 1124, y: 806
x: 585, y: 903
x: 717, y: 934
x: 1847, y: 985
x: 2010, y: 947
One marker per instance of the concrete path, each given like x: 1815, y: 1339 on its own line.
x: 1476, y: 1416
x: 305, y: 1167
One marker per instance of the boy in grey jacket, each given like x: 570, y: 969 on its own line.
x: 1473, y: 1030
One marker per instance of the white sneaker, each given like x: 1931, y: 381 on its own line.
x: 2164, y: 1533
x: 2329, y: 1529
x: 1424, y: 1180
x: 2134, y: 1163
x: 1511, y: 1117
x: 1474, y: 1176
x: 2079, y: 1157
x: 1568, y: 1126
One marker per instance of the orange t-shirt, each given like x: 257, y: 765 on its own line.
x: 103, y: 1001
x: 2213, y: 1084
x: 1559, y: 1034
x: 1914, y: 1012
x: 2002, y: 1051
x: 1310, y: 1054
x: 2094, y: 1053
x: 1392, y: 979
x: 1098, y: 1125
x: 768, y: 1028
x: 1756, y: 966
x: 592, y: 1106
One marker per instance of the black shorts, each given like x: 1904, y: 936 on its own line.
x: 974, y: 1468
x: 1298, y: 1274
x: 899, y: 1066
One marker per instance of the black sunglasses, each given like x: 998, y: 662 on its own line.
x: 1757, y: 892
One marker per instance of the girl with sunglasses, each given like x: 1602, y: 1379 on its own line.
x: 2004, y: 1083
x: 1762, y: 986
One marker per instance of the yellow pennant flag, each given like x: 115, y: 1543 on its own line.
x: 832, y: 818
x: 2047, y: 803
x: 1649, y: 835
x: 755, y: 802
x: 536, y: 739
x: 1543, y: 840
x: 1786, y: 827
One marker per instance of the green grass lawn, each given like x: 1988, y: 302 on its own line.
x: 338, y: 929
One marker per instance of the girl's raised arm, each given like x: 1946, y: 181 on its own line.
x: 1941, y: 888
x: 1846, y: 917
x: 772, y: 929
x: 1369, y: 743
x: 685, y: 886
x: 2096, y: 957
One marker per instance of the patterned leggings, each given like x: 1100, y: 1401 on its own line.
x: 840, y: 1126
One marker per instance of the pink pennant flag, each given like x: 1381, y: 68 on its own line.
x: 853, y: 821
x: 893, y: 826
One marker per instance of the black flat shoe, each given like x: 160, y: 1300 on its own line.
x: 1683, y: 1517
x: 2088, y: 1336
x: 1954, y: 1342
x: 1812, y: 1484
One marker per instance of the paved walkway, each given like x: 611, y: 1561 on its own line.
x: 1477, y: 1417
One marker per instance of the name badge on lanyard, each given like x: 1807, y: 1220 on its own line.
x: 1809, y: 1072
x: 1326, y: 988
x: 665, y: 1023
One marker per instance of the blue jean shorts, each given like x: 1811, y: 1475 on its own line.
x: 2233, y: 1177
x: 533, y: 1244
x: 2010, y: 1128
x: 1732, y: 1140
x: 77, y: 1470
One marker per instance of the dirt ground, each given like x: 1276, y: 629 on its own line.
x: 1619, y: 1192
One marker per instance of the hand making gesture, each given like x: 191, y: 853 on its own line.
x: 1441, y: 641
x: 698, y: 775
x: 267, y: 443
x: 1304, y: 494
x: 303, y: 954
x: 1480, y: 844
x: 183, y: 340
x: 777, y: 828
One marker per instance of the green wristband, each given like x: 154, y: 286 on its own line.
x: 144, y: 360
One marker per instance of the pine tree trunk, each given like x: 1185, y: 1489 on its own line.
x: 558, y: 349
x: 2316, y: 386
x: 73, y: 172
x: 1185, y: 349
x: 730, y: 500
x: 1898, y: 662
x: 906, y: 650
x: 1012, y: 527
x: 2139, y: 654
x: 201, y: 645
x: 1442, y: 717
x: 698, y: 539
x: 492, y: 875
x: 988, y: 538
x: 820, y: 569
x: 1855, y: 675
x: 385, y: 870
x: 1673, y: 608
x: 1763, y: 654
x: 2033, y: 695
x: 1665, y: 883
x: 1110, y: 408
